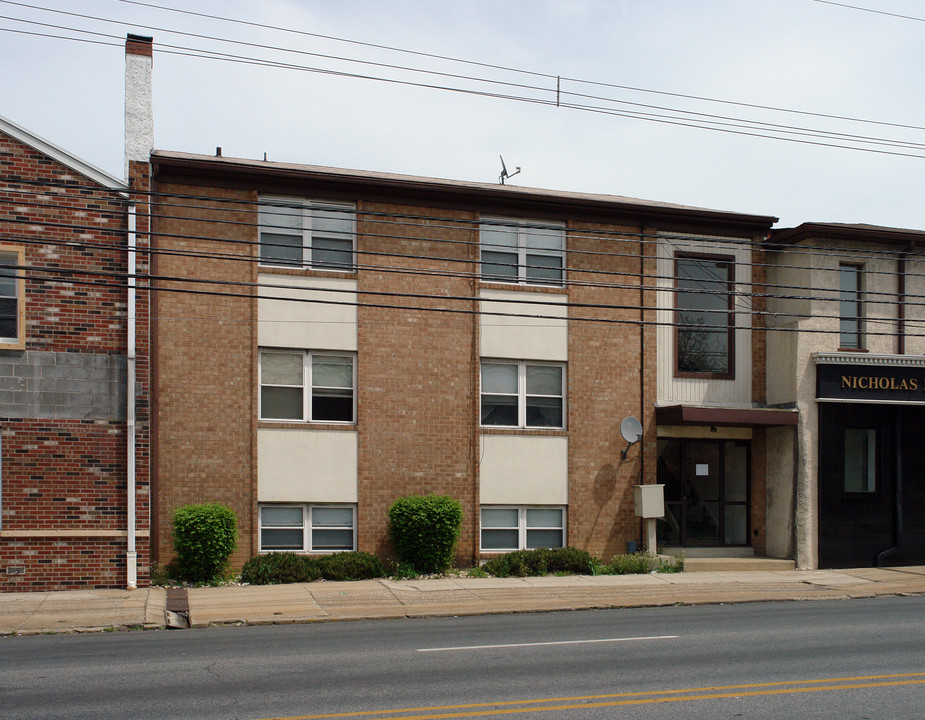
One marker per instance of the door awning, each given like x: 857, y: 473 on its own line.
x: 725, y: 417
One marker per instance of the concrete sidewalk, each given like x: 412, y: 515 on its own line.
x: 95, y: 610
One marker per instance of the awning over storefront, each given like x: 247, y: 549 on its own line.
x: 725, y: 417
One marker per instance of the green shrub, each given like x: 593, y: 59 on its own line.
x: 279, y: 568
x: 350, y: 566
x: 542, y: 561
x: 204, y: 536
x: 630, y: 564
x: 424, y: 530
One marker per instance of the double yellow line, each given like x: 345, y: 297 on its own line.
x: 581, y: 702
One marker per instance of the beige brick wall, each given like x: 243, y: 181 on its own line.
x: 205, y: 358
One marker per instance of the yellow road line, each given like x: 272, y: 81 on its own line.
x: 640, y: 698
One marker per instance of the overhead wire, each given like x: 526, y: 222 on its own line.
x: 702, y: 121
x: 392, y: 220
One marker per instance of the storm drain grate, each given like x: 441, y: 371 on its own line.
x: 177, y: 608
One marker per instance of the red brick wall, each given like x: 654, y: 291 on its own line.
x: 77, y: 229
x: 64, y: 481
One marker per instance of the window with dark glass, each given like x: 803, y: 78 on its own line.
x: 704, y: 317
x: 849, y: 306
x: 11, y: 310
x: 520, y: 252
x: 285, y: 375
x: 523, y: 394
x: 297, y: 233
x: 860, y: 460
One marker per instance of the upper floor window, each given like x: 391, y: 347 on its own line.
x: 523, y: 394
x: 312, y: 386
x: 12, y: 316
x: 307, y: 233
x: 849, y: 307
x: 704, y: 286
x: 520, y: 252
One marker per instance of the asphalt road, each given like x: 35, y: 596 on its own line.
x: 832, y: 659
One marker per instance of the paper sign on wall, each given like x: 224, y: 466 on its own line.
x: 701, y: 469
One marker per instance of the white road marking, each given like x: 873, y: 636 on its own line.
x: 559, y: 642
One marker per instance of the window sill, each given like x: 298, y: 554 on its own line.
x: 302, y: 425
x: 535, y: 432
x: 852, y: 350
x: 306, y: 272
x: 513, y: 285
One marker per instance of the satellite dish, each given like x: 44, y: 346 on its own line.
x: 631, y: 430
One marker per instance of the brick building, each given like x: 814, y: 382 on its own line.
x: 74, y: 459
x: 328, y: 340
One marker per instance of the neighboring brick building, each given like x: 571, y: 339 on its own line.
x: 329, y: 340
x: 68, y: 492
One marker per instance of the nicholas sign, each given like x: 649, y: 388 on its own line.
x: 870, y: 383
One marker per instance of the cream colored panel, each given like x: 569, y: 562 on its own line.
x: 301, y: 324
x: 303, y: 465
x: 524, y: 338
x: 523, y: 470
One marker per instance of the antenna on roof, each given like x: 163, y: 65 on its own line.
x: 504, y: 172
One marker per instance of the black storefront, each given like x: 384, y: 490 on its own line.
x: 871, y: 477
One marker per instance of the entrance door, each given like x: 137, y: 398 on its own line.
x: 706, y: 492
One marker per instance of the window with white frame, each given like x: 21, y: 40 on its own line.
x: 307, y: 386
x: 307, y: 528
x: 521, y: 528
x: 523, y: 394
x: 518, y: 251
x: 11, y: 297
x: 306, y: 233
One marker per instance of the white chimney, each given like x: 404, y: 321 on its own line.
x: 139, y: 105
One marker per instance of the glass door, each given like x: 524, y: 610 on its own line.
x: 706, y: 492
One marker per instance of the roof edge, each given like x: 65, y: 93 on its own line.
x: 846, y: 231
x: 223, y: 164
x: 61, y: 155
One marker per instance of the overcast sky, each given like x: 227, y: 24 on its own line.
x: 801, y: 55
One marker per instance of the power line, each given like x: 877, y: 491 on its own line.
x: 705, y: 122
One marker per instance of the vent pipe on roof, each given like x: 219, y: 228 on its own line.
x: 139, y: 104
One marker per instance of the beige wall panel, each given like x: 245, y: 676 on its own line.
x: 301, y: 465
x: 523, y: 470
x: 310, y: 325
x: 524, y: 338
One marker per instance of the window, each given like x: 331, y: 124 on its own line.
x: 284, y: 376
x: 307, y: 528
x: 849, y: 306
x: 704, y: 314
x: 12, y: 320
x: 860, y: 460
x: 522, y: 528
x: 297, y: 233
x: 517, y: 252
x: 523, y: 394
